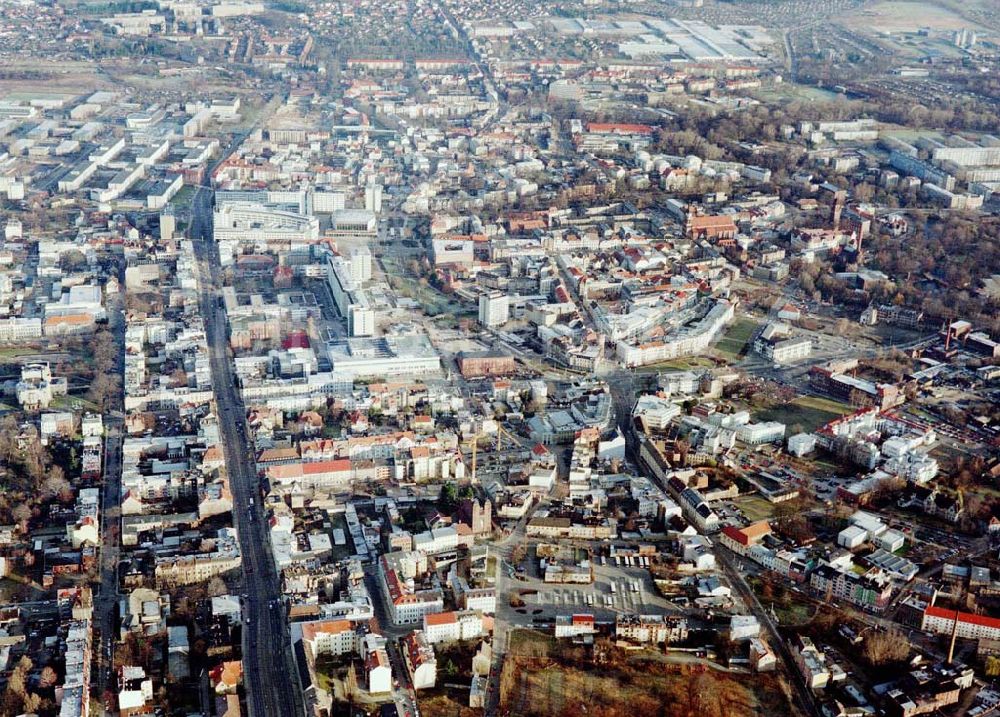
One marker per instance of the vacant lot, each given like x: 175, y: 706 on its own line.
x: 544, y: 678
x: 755, y: 508
x: 443, y: 702
x: 806, y: 413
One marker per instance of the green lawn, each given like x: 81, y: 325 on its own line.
x: 807, y: 412
x: 75, y: 403
x: 10, y: 352
x: 735, y: 340
x: 182, y: 200
x: 792, y: 613
x: 677, y: 364
x: 755, y: 508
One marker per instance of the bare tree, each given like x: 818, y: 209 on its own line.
x: 351, y: 684
x: 884, y: 648
x: 55, y: 484
x: 216, y: 587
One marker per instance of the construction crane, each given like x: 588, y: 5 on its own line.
x: 498, y: 446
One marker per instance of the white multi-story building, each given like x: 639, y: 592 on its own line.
x: 360, y: 320
x: 420, y: 660
x: 687, y: 340
x: 373, y: 198
x: 655, y: 412
x: 407, y: 604
x: 494, y: 309
x: 453, y: 626
x: 361, y: 265
x: 247, y: 223
x: 332, y: 637
x: 757, y: 433
x: 436, y: 541
x: 18, y: 329
x: 38, y: 387
x: 345, y: 279
x: 970, y: 627
x: 801, y: 444
x: 811, y: 663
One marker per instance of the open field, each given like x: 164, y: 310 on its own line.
x: 806, y: 412
x: 793, y: 92
x: 13, y: 352
x: 677, y: 364
x: 900, y: 16
x: 754, y: 507
x: 735, y: 339
x: 545, y: 678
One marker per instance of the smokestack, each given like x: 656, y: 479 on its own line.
x: 954, y: 637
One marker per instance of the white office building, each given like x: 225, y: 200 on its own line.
x: 243, y: 223
x: 373, y: 198
x: 360, y: 320
x: 494, y: 309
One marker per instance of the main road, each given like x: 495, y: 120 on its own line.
x: 269, y: 667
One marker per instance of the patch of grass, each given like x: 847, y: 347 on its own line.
x: 808, y: 412
x: 755, y: 508
x: 10, y: 352
x: 183, y: 198
x: 75, y: 403
x: 734, y: 343
x: 677, y: 364
x: 792, y: 613
x: 824, y: 404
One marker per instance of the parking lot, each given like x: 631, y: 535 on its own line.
x: 615, y: 590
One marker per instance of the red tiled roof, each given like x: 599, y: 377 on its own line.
x: 440, y: 618
x: 736, y: 535
x: 966, y: 617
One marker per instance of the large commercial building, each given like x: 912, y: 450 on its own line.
x: 245, y: 223
x: 18, y: 329
x: 687, y: 340
x: 353, y: 222
x: 387, y: 357
x: 345, y: 278
x: 476, y: 364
